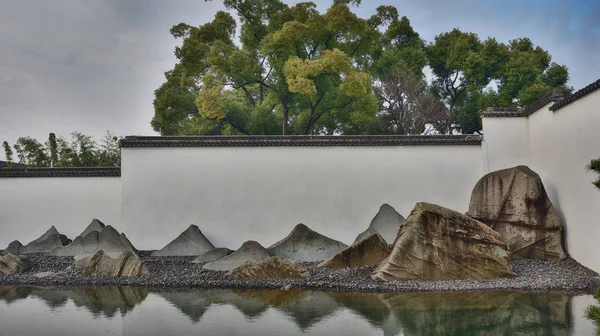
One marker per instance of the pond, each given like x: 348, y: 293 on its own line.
x: 140, y: 311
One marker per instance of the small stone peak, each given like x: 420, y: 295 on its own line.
x: 301, y: 228
x: 251, y: 243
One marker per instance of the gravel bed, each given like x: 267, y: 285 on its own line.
x: 178, y: 272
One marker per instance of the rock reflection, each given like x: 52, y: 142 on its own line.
x: 105, y: 301
x: 470, y: 313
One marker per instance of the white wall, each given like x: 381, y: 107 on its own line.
x: 505, y: 142
x: 558, y: 145
x: 561, y: 144
x: 30, y: 205
x: 259, y: 193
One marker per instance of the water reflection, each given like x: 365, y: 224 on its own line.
x: 476, y: 313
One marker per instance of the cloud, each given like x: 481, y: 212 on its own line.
x: 90, y: 66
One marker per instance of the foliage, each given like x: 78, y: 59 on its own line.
x: 593, y: 312
x: 8, y: 153
x: 407, y: 105
x: 594, y: 166
x: 294, y: 70
x: 82, y: 151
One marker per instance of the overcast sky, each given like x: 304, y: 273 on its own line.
x: 93, y: 65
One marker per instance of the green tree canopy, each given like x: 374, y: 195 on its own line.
x: 82, y: 151
x: 290, y: 69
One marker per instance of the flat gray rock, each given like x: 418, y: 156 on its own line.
x: 95, y: 225
x: 109, y: 241
x: 250, y: 251
x: 212, y: 255
x: 387, y: 223
x: 190, y: 242
x: 306, y: 245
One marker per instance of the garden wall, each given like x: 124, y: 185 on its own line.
x: 31, y: 201
x: 259, y: 188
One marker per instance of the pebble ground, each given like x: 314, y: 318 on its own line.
x: 178, y: 272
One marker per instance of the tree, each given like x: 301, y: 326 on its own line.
x: 293, y: 70
x: 53, y: 148
x: 31, y: 152
x: 8, y: 153
x: 407, y: 105
x: 57, y: 152
x: 594, y: 166
x: 467, y: 69
x: 593, y: 312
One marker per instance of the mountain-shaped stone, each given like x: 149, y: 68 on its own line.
x: 250, y: 251
x: 306, y: 245
x: 190, y: 242
x: 369, y: 251
x: 212, y: 255
x: 14, y: 247
x: 50, y: 240
x: 386, y: 223
x: 436, y: 243
x: 109, y: 240
x: 95, y: 225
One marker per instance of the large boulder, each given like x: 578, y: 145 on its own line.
x: 212, y: 255
x: 436, y: 243
x: 369, y: 251
x: 96, y: 225
x: 190, y: 242
x: 514, y: 202
x: 127, y: 265
x: 12, y: 264
x: 109, y: 240
x: 387, y: 223
x: 273, y: 267
x: 250, y: 251
x: 306, y: 245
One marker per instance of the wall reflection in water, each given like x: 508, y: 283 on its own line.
x: 140, y: 311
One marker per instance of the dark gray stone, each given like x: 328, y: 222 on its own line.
x: 109, y: 241
x: 95, y: 225
x: 386, y: 223
x: 190, y: 242
x: 304, y: 244
x: 250, y: 251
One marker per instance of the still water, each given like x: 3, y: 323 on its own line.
x: 132, y: 311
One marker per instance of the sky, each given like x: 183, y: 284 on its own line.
x: 93, y: 65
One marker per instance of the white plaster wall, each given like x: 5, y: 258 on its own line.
x: 29, y: 206
x: 504, y: 143
x: 259, y: 193
x: 561, y: 144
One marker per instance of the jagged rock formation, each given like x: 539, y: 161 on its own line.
x: 95, y: 225
x: 436, y: 243
x: 14, y: 247
x: 46, y: 243
x: 12, y: 264
x: 273, y: 267
x: 304, y: 244
x: 212, y: 255
x: 250, y: 251
x: 190, y: 242
x: 387, y: 223
x: 109, y: 240
x: 369, y: 251
x: 127, y: 265
x: 514, y: 202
